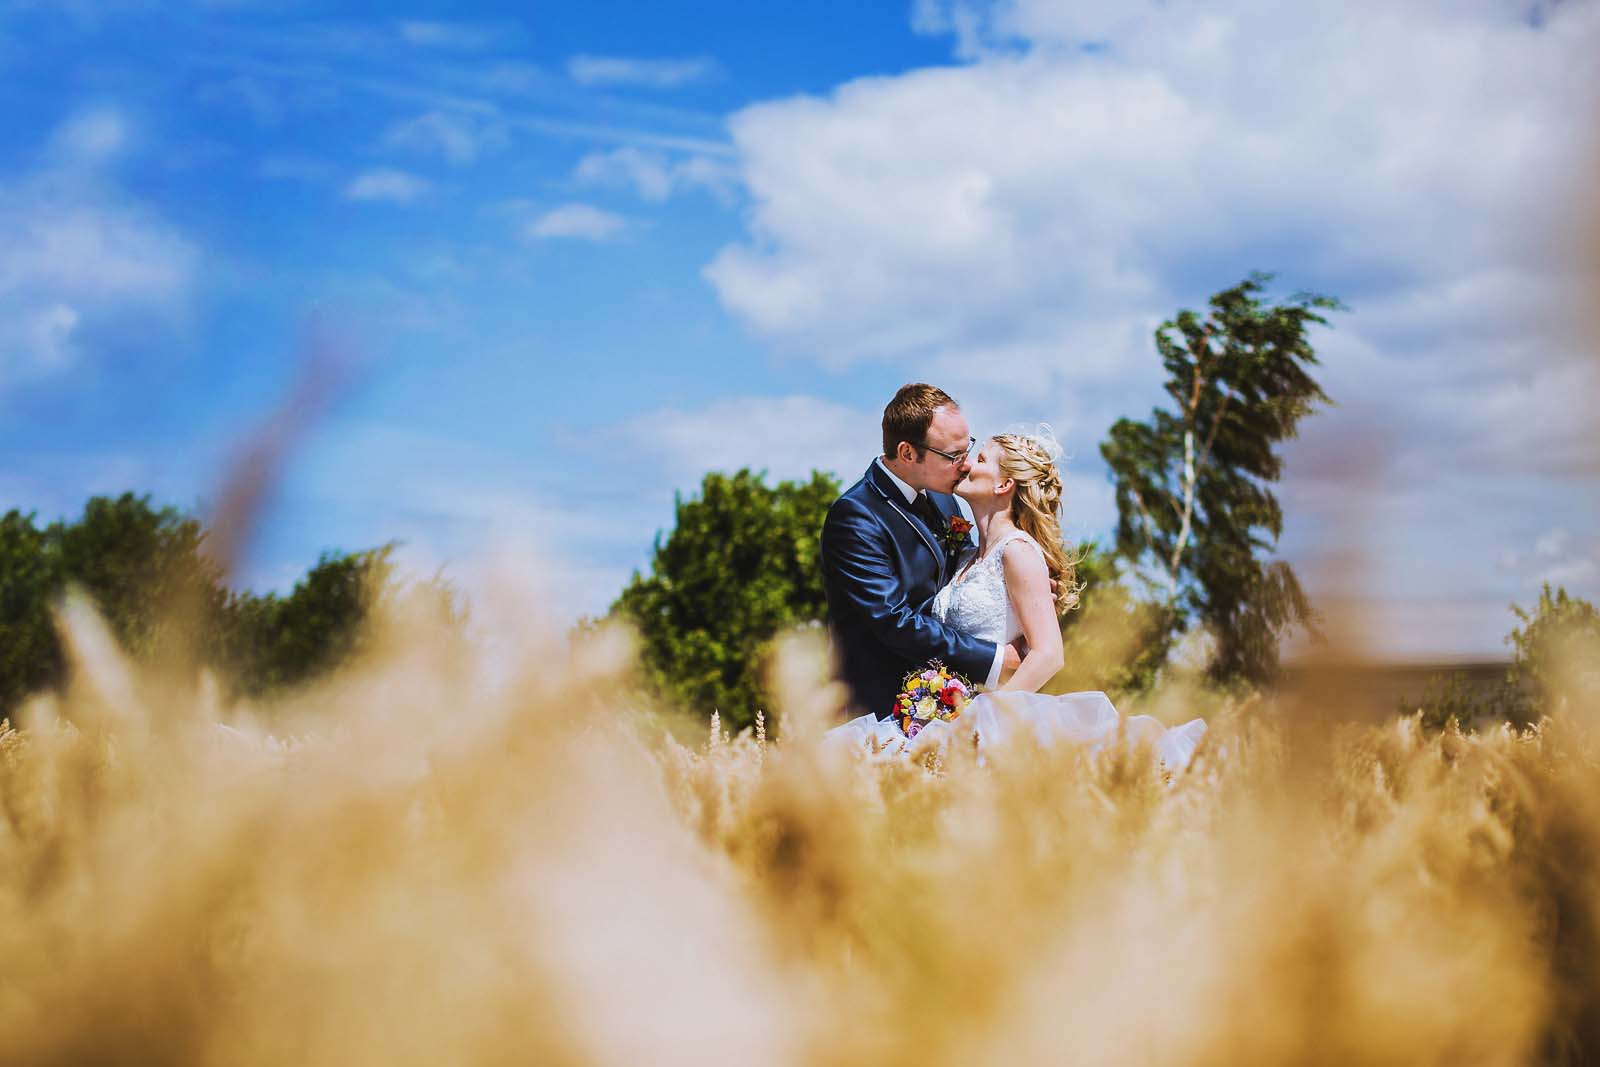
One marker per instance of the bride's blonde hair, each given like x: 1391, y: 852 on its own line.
x: 1036, y: 506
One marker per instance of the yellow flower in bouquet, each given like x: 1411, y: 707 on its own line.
x: 932, y: 692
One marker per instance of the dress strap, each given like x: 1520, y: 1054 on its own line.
x: 1016, y: 535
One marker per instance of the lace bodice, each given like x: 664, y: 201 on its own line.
x: 976, y: 602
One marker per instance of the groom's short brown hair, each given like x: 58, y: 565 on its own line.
x: 909, y: 413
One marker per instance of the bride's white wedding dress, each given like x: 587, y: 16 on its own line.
x: 976, y: 602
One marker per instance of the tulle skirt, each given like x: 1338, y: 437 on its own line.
x: 996, y: 720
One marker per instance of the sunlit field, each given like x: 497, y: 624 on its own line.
x: 479, y: 292
x: 433, y: 859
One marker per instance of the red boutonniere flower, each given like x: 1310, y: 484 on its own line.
x: 957, y: 535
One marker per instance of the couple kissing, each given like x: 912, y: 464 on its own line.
x: 907, y: 584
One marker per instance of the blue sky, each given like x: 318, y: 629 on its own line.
x: 579, y: 254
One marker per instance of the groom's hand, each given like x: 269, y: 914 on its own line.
x: 1013, y: 657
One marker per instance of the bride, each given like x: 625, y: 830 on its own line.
x: 1004, y: 592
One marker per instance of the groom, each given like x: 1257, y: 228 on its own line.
x: 887, y: 547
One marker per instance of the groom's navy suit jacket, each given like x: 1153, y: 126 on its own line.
x: 881, y: 565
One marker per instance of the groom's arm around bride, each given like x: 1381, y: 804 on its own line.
x: 884, y: 555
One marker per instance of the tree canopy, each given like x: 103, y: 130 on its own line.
x: 739, y: 566
x: 1194, y: 503
x: 1556, y: 652
x: 145, y: 570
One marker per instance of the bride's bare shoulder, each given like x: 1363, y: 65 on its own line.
x: 1014, y: 543
x: 1022, y: 558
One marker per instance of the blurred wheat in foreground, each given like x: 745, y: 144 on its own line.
x: 436, y: 862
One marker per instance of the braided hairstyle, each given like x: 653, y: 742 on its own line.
x: 1035, y: 509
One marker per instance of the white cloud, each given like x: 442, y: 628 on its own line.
x: 460, y: 139
x: 650, y: 73
x: 76, y: 254
x: 1553, y: 544
x: 656, y: 176
x: 387, y: 185
x: 95, y: 250
x: 48, y: 335
x: 497, y: 91
x: 1013, y: 197
x: 1015, y: 226
x: 648, y: 172
x: 92, y: 137
x: 577, y: 221
x: 786, y: 436
x: 1570, y: 574
x: 452, y: 36
x: 1557, y: 559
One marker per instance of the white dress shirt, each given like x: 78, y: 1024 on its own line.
x: 993, y: 681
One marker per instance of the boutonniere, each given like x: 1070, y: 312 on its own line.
x: 957, y: 535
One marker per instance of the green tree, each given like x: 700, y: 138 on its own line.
x: 1452, y: 696
x: 143, y: 567
x: 739, y: 566
x: 1556, y: 653
x: 1556, y: 662
x: 1113, y: 640
x: 269, y: 643
x: 30, y: 655
x: 164, y: 600
x: 1194, y: 507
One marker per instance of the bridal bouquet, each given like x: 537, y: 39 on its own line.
x: 934, y: 692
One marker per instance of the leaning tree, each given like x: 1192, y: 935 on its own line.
x: 1195, y: 511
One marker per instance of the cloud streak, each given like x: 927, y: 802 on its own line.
x: 385, y: 185
x: 645, y: 73
x: 493, y: 92
x: 459, y: 139
x: 574, y: 221
x: 451, y: 36
x: 656, y: 176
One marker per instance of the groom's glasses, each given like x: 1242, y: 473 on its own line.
x: 954, y: 457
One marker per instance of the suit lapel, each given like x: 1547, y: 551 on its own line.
x: 891, y: 494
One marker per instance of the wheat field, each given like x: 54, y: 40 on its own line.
x: 431, y: 858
